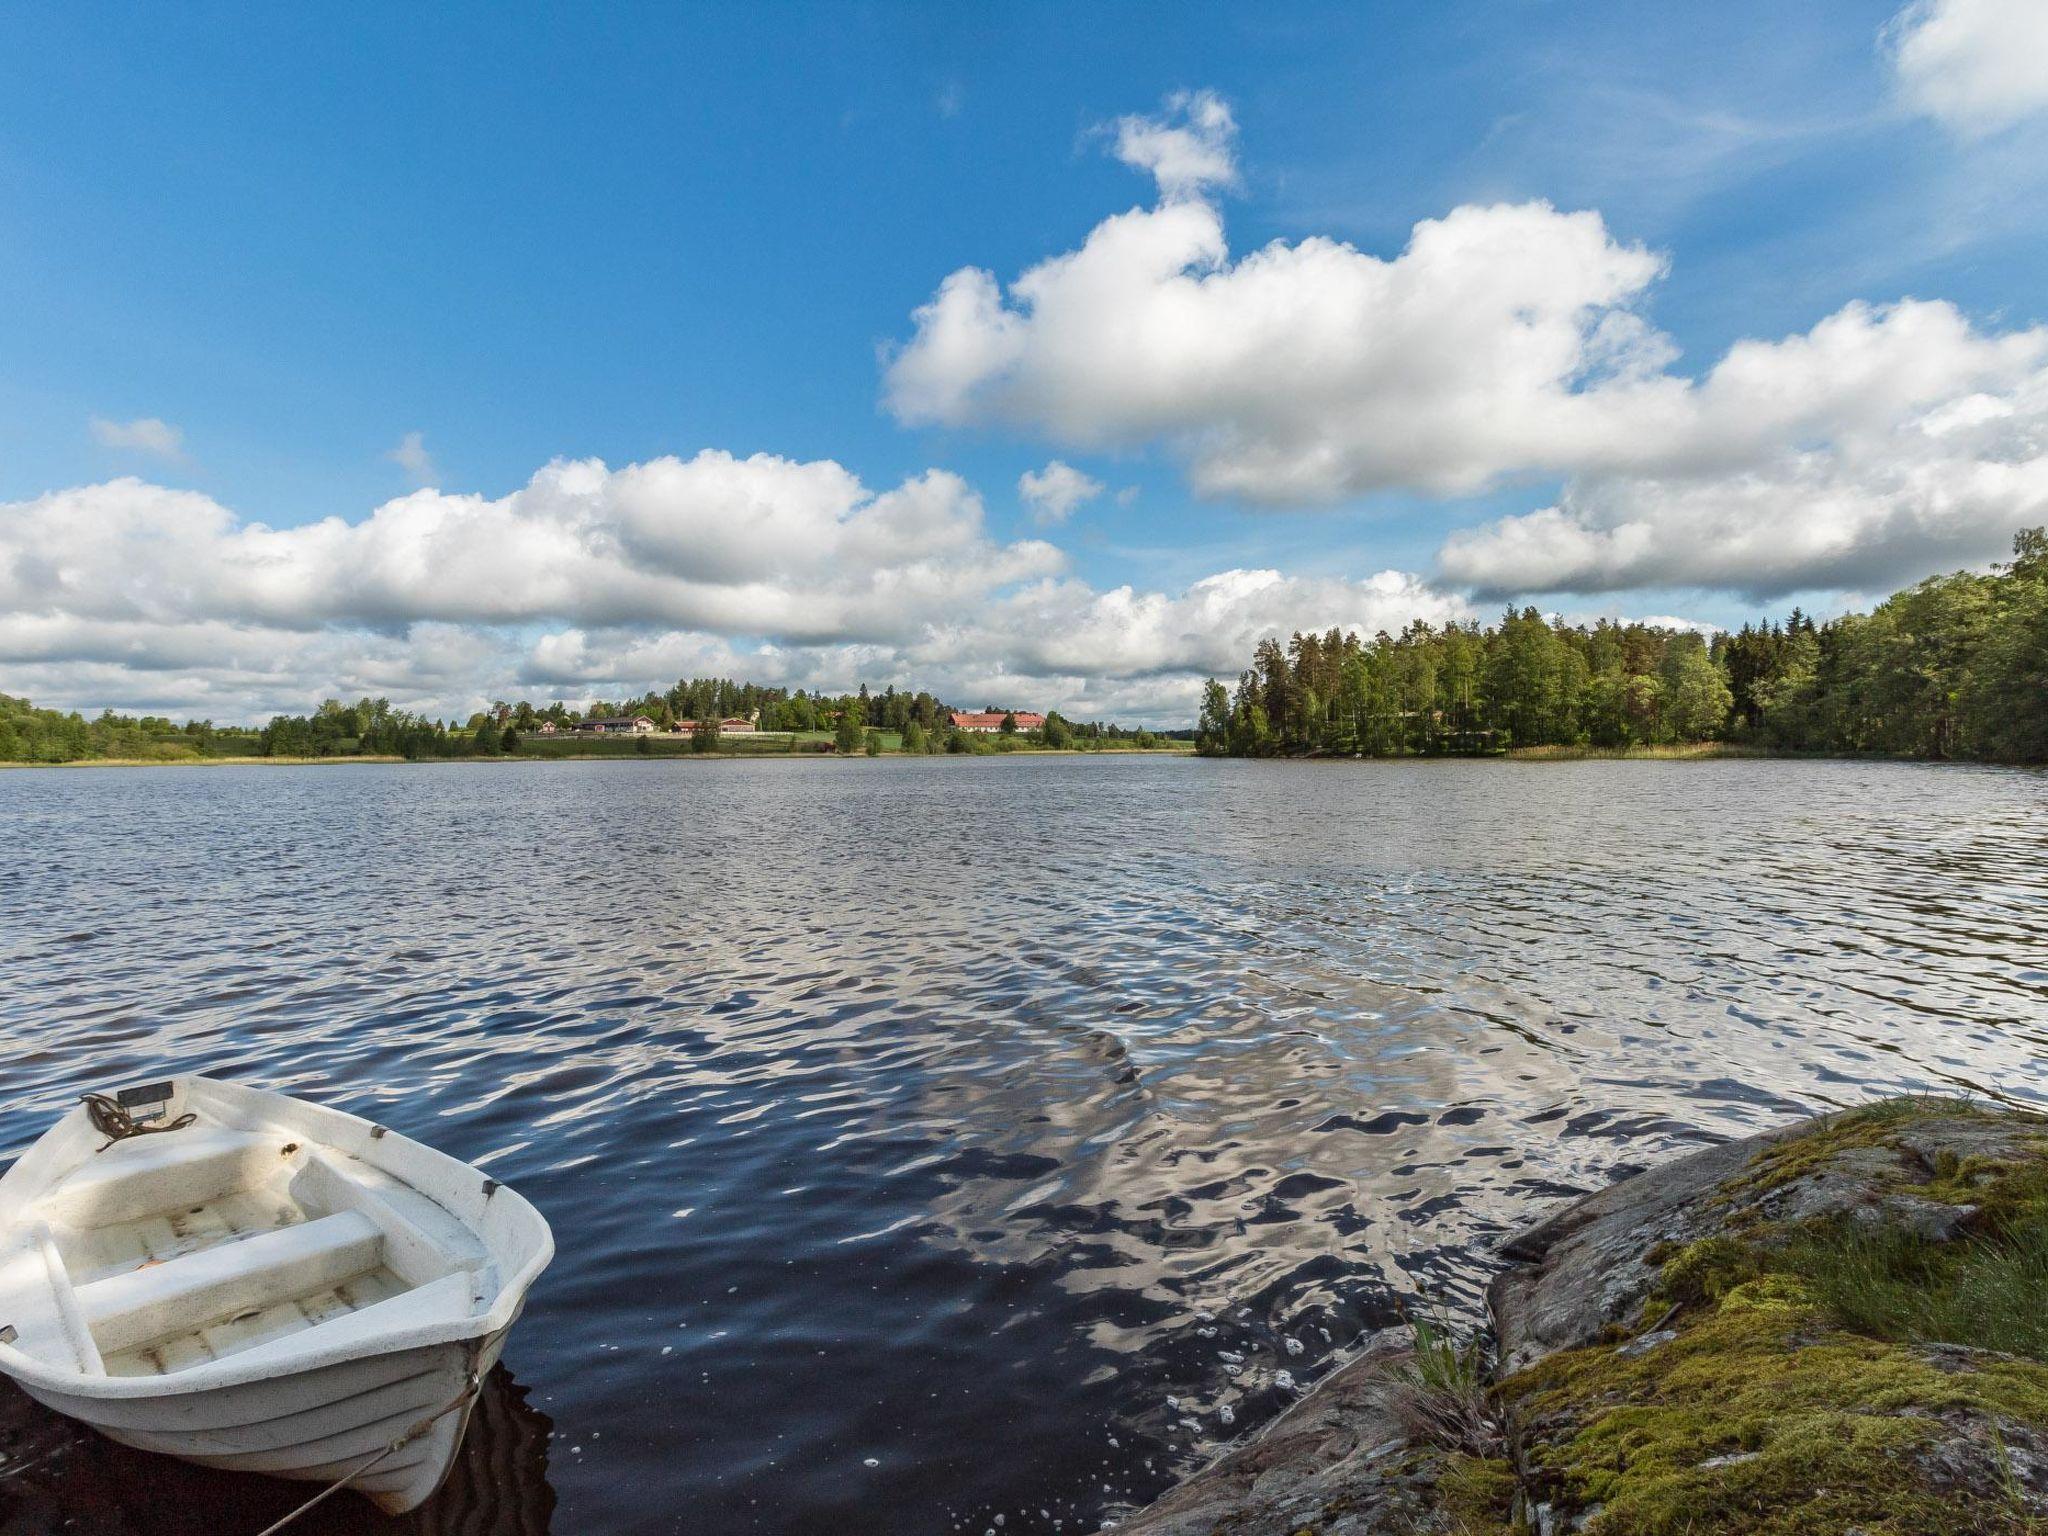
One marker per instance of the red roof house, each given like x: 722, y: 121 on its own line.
x: 989, y: 721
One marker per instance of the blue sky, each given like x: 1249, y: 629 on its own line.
x: 294, y: 236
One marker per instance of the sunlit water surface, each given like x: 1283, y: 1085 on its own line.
x: 929, y: 1140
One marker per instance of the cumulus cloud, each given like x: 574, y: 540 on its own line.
x: 1976, y: 65
x: 145, y: 434
x: 591, y: 580
x: 1500, y: 340
x: 1883, y: 444
x: 1052, y: 493
x: 411, y: 456
x: 230, y: 672
x: 1066, y: 627
x: 763, y: 545
x: 1502, y: 344
x: 1188, y: 150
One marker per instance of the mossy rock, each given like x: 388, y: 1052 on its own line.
x: 1760, y: 1419
x: 1476, y: 1495
x: 1838, y: 1327
x: 1811, y: 1373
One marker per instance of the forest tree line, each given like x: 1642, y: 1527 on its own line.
x: 859, y: 721
x: 1956, y: 667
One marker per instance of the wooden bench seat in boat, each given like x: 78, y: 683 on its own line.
x: 147, y: 1174
x: 158, y: 1300
x: 180, y: 1249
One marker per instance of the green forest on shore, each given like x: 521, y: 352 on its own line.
x: 785, y: 723
x: 1955, y: 667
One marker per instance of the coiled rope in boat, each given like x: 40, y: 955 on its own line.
x: 116, y: 1124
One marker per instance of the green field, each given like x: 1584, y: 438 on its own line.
x: 228, y: 747
x: 759, y: 744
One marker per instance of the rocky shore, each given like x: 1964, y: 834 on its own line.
x: 1839, y: 1327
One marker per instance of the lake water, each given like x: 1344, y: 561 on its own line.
x: 932, y: 1139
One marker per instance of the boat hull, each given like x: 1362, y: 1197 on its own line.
x: 317, y: 1425
x: 275, y: 1287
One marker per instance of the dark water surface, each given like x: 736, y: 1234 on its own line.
x: 932, y: 1140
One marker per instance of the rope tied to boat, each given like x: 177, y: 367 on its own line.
x: 413, y: 1432
x: 113, y: 1121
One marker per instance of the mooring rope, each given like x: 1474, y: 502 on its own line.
x: 418, y: 1428
x: 116, y: 1124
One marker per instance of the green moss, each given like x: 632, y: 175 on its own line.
x: 1476, y: 1494
x: 1873, y: 1125
x: 1817, y: 1428
x: 1954, y: 1178
x: 1800, y: 1396
x: 1780, y: 1294
x: 2006, y: 1193
x: 1703, y: 1271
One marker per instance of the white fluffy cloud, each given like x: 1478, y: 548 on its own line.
x: 1189, y: 150
x: 1501, y: 340
x: 1504, y: 343
x: 1065, y: 627
x: 1498, y: 342
x: 212, y: 669
x: 1880, y: 446
x: 594, y: 581
x: 1976, y: 65
x: 1052, y: 493
x: 761, y: 546
x: 145, y: 434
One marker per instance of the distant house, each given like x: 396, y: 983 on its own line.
x: 986, y: 722
x: 549, y: 728
x: 735, y: 726
x: 616, y: 725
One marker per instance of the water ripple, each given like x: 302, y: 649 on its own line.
x: 1024, y: 1128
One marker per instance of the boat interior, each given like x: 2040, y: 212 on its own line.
x: 163, y: 1252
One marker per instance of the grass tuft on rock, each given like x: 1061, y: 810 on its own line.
x: 1443, y: 1395
x: 1987, y: 1293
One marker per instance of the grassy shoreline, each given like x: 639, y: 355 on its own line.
x: 627, y: 756
x: 1676, y: 752
x: 248, y: 761
x: 1688, y: 752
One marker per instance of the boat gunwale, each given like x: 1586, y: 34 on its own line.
x: 265, y: 1366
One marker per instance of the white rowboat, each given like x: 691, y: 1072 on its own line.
x: 270, y: 1287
